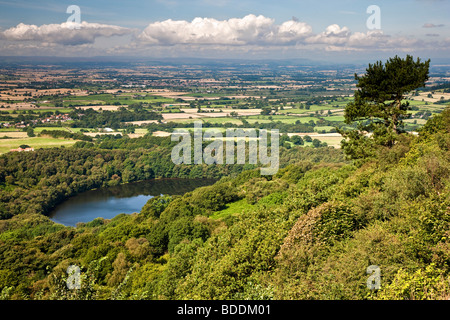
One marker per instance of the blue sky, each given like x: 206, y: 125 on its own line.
x: 322, y: 29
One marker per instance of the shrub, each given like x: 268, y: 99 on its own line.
x: 428, y: 283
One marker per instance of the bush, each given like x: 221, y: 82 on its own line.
x: 213, y: 198
x: 30, y: 132
x: 155, y: 206
x: 430, y: 283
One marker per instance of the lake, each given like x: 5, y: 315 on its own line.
x: 128, y: 198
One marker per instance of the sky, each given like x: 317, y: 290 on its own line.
x: 323, y: 30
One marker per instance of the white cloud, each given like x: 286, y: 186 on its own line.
x: 335, y: 31
x: 292, y: 31
x: 258, y: 35
x: 250, y: 29
x: 332, y: 35
x: 372, y: 38
x: 207, y: 37
x: 262, y: 32
x: 65, y: 33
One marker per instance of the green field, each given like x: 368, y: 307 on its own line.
x: 222, y: 120
x: 419, y: 121
x: 40, y: 129
x: 35, y: 142
x: 109, y: 99
x: 8, y: 130
x: 48, y: 108
x: 312, y: 109
x: 335, y: 118
x: 141, y: 131
x: 240, y: 206
x: 284, y: 119
x: 323, y: 128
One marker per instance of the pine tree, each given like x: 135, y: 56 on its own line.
x: 378, y: 105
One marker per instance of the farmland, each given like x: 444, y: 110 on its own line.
x: 310, y: 104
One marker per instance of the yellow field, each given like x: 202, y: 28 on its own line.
x: 108, y: 107
x: 14, y: 134
x: 332, y: 139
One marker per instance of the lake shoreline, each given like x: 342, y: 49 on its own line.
x: 128, y: 198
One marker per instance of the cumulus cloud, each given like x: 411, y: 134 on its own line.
x: 262, y: 33
x: 332, y: 35
x: 250, y: 29
x: 371, y: 38
x: 252, y: 34
x: 292, y: 31
x: 255, y: 31
x: 67, y: 33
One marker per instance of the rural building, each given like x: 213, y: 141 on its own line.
x: 21, y: 149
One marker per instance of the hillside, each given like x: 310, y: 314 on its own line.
x: 309, y: 232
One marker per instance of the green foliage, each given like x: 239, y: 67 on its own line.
x: 30, y: 132
x: 46, y: 177
x: 213, y: 198
x: 356, y: 145
x: 308, y: 232
x: 234, y: 208
x: 65, y: 134
x: 381, y: 90
x: 293, y: 173
x: 423, y: 284
x: 155, y: 206
x: 185, y: 228
x: 440, y: 122
x: 99, y: 119
x: 297, y: 140
x: 258, y: 188
x: 232, y: 257
x: 378, y: 106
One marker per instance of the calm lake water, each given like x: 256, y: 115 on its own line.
x: 128, y: 198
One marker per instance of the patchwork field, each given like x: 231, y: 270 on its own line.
x: 287, y: 106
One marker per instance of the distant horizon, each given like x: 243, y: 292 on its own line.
x: 298, y: 61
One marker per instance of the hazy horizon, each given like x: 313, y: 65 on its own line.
x: 205, y: 60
